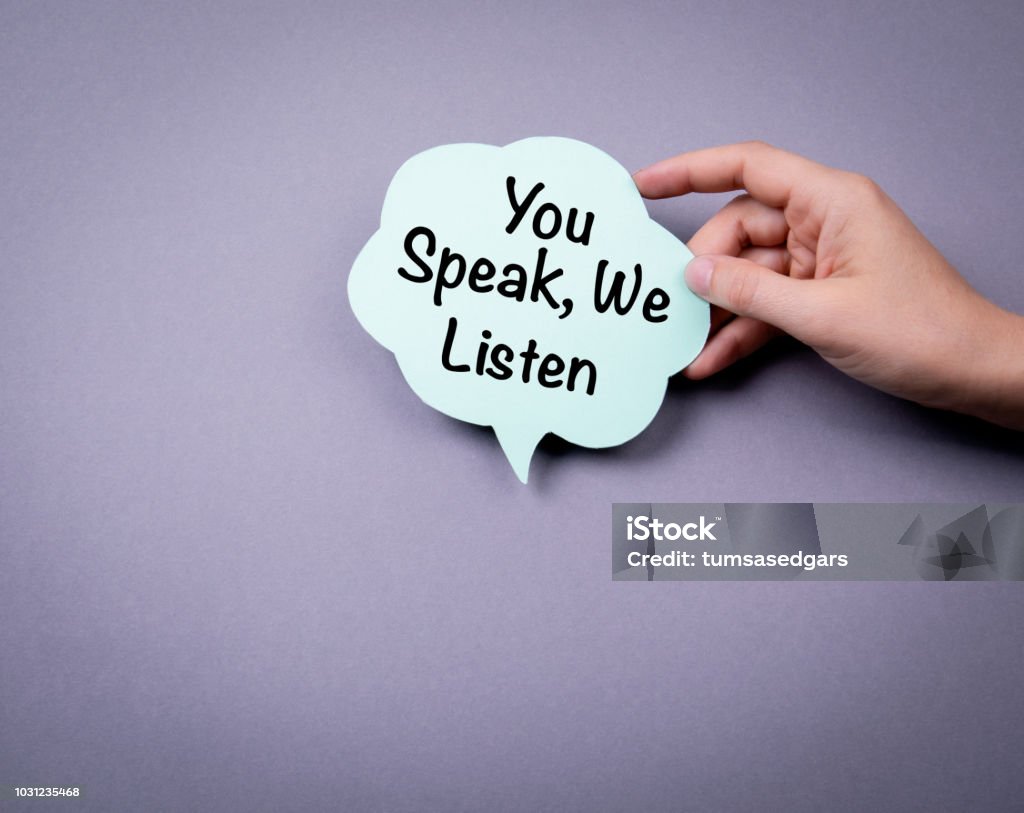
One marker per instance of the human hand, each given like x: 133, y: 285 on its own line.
x: 827, y: 257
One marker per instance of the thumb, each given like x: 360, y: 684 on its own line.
x: 749, y: 289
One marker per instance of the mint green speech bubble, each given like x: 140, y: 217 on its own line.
x: 526, y: 288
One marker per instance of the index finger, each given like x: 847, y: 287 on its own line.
x: 769, y: 174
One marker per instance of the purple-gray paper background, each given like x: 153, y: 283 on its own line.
x: 242, y: 567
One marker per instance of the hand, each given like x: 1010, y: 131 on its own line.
x: 827, y: 257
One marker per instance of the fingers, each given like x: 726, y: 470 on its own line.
x: 767, y: 173
x: 740, y: 223
x: 748, y: 289
x: 776, y: 258
x: 735, y: 341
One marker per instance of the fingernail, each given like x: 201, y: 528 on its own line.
x: 698, y: 275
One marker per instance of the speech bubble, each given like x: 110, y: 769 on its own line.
x: 526, y: 288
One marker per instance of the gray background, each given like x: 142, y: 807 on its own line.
x: 243, y: 567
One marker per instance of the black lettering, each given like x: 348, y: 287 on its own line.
x: 615, y: 295
x: 575, y: 366
x: 584, y: 236
x: 419, y: 231
x: 656, y: 301
x: 519, y: 209
x: 550, y: 367
x: 476, y: 275
x: 538, y: 221
x: 448, y: 257
x: 449, y: 340
x: 481, y: 353
x: 529, y: 355
x: 541, y: 280
x: 513, y: 288
x: 501, y: 370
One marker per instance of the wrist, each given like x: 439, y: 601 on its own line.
x: 994, y: 382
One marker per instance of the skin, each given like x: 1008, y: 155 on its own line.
x: 827, y: 257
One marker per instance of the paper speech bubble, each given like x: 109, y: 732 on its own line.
x: 526, y: 288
